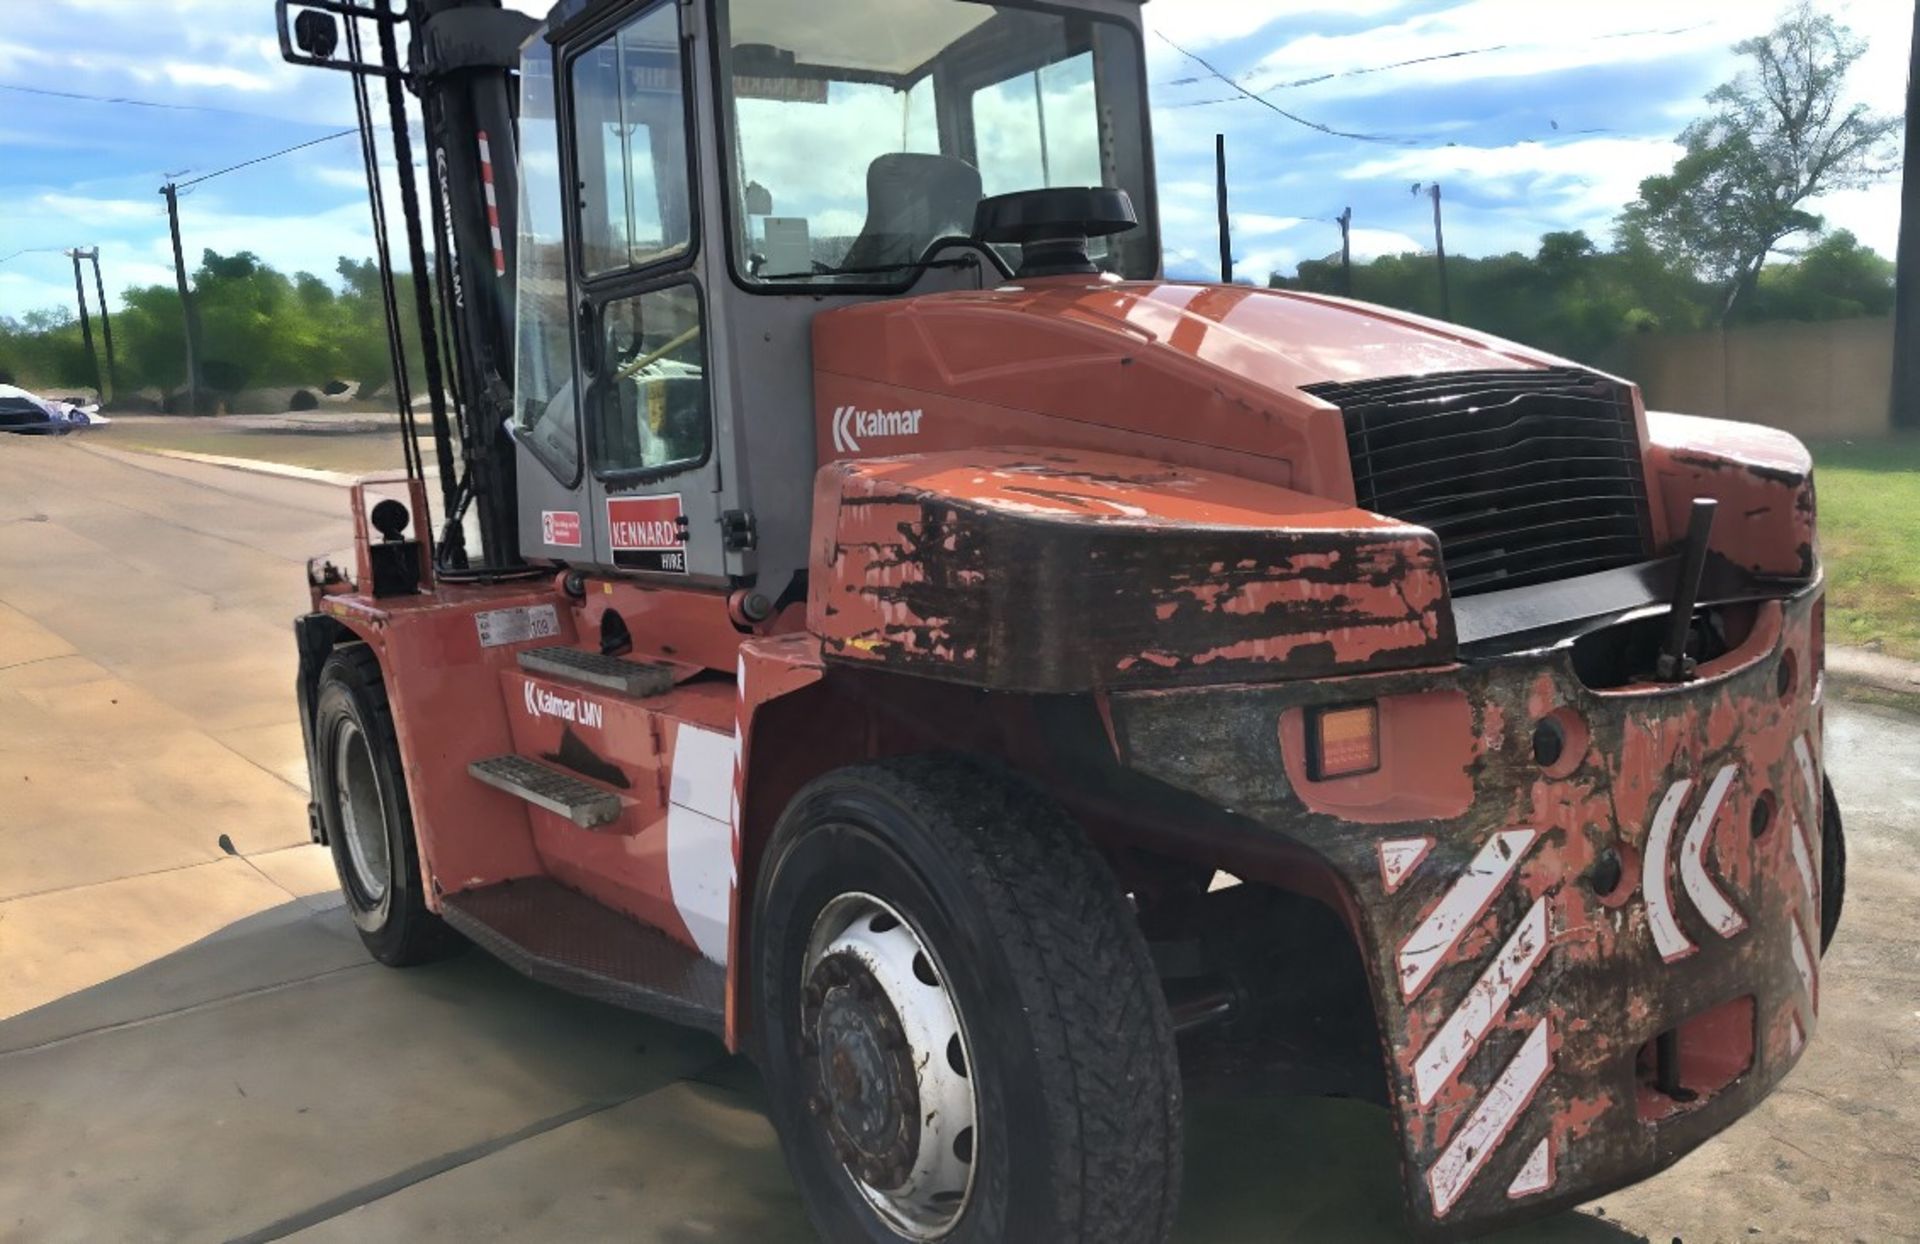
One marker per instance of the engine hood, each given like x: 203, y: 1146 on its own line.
x: 1205, y: 373
x: 1281, y: 340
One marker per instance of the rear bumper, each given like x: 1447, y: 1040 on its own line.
x: 1520, y: 999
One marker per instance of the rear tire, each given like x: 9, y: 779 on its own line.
x: 1062, y: 1103
x: 1833, y: 866
x: 363, y: 805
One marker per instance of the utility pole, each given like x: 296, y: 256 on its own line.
x: 189, y: 319
x: 106, y: 321
x: 1440, y: 253
x: 86, y: 325
x: 1226, y: 228
x: 1906, y: 318
x: 1346, y: 252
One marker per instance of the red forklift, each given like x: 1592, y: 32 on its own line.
x: 870, y: 614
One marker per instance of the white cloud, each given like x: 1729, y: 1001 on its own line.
x: 1208, y: 23
x: 339, y: 178
x: 1260, y: 225
x: 1873, y: 215
x: 227, y: 76
x: 74, y: 209
x: 1371, y: 244
x: 1582, y: 183
x: 1259, y: 264
x: 20, y: 292
x: 1528, y: 37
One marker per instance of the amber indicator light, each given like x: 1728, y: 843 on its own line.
x: 1343, y: 742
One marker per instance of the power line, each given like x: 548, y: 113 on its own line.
x: 129, y: 102
x: 1456, y: 55
x: 1269, y: 104
x: 35, y: 250
x: 312, y: 142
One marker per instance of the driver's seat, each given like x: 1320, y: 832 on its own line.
x: 913, y: 200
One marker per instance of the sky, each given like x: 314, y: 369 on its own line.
x: 1549, y: 121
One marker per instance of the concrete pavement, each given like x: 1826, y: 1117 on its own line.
x: 193, y: 1045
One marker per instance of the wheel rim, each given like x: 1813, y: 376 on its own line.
x: 889, y: 1066
x: 363, y: 821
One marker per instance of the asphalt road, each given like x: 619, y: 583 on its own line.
x: 194, y: 1047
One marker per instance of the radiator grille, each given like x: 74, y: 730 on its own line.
x: 1527, y: 476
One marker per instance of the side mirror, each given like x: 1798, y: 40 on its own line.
x: 316, y: 33
x: 759, y: 200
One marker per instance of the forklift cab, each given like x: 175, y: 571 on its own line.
x: 699, y: 181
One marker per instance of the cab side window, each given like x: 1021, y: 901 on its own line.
x: 630, y: 142
x: 648, y: 407
x: 653, y: 413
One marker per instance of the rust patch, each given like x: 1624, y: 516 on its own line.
x: 1066, y: 572
x: 1762, y: 478
x: 1495, y: 1050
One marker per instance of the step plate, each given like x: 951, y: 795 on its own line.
x: 633, y: 678
x: 559, y: 792
x: 563, y: 938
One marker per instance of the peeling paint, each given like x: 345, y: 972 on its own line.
x: 1087, y: 571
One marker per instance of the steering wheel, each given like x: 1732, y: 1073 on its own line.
x: 645, y: 361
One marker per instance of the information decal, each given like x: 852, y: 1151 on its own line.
x: 648, y: 533
x: 500, y: 627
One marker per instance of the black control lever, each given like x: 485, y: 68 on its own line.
x: 1675, y: 666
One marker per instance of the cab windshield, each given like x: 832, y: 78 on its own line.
x: 866, y: 131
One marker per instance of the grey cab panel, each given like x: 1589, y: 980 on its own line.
x: 615, y: 403
x: 736, y: 169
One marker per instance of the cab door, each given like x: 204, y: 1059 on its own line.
x: 643, y: 366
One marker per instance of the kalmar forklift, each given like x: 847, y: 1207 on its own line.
x: 873, y: 616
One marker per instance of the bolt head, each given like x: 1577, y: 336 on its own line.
x: 1549, y: 743
x: 1604, y: 878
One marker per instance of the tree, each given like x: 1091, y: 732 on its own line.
x: 1835, y: 279
x: 1779, y: 136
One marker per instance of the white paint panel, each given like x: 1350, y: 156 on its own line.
x: 703, y: 772
x: 1399, y: 857
x: 1803, y: 753
x: 1495, y: 1116
x: 700, y: 875
x: 1422, y: 953
x: 1712, y: 904
x: 1658, y: 877
x: 1536, y: 1176
x: 1470, y: 1022
x: 1803, y: 964
x: 1803, y: 864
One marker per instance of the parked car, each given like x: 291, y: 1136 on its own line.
x: 21, y: 411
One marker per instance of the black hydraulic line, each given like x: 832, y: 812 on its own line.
x: 452, y: 543
x: 1674, y: 664
x: 464, y: 58
x: 454, y: 347
x: 383, y: 255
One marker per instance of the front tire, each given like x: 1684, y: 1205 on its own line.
x: 934, y: 902
x: 364, y: 808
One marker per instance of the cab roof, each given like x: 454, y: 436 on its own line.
x: 837, y: 20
